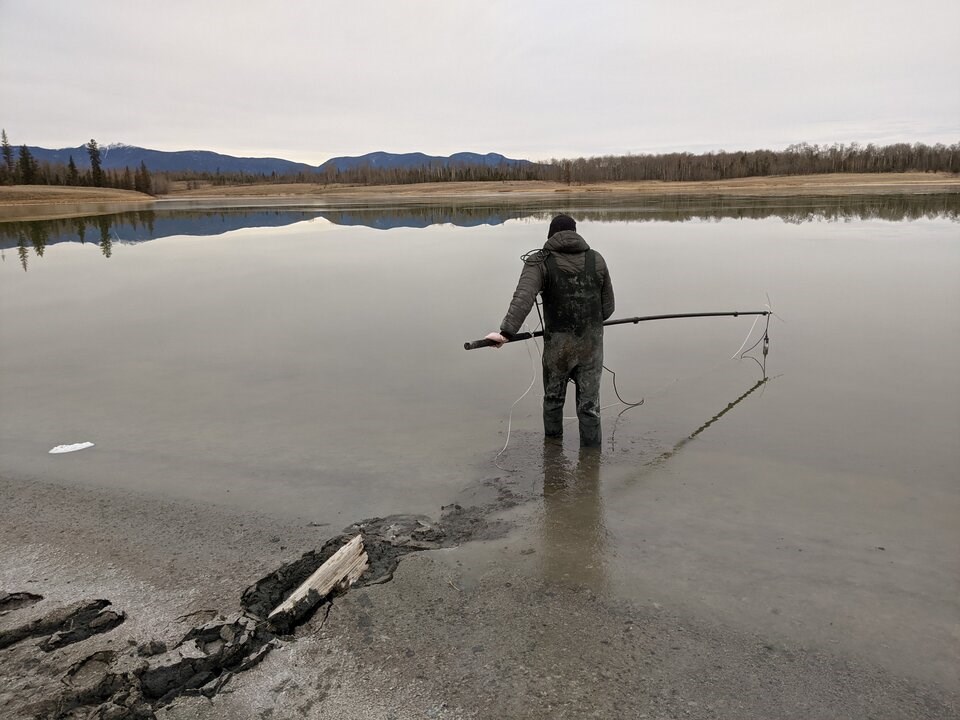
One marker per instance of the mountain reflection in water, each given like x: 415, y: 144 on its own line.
x: 144, y: 225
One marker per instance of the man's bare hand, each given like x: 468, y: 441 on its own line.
x: 497, y: 339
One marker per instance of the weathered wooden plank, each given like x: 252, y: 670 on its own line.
x: 342, y: 569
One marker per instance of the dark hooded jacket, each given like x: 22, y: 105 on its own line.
x: 568, y: 249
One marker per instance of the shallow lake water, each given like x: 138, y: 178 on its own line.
x: 308, y: 361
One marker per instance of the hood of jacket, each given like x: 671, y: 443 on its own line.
x: 566, y: 241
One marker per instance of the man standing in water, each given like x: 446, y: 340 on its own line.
x: 577, y: 297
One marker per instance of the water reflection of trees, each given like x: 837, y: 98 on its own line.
x: 670, y: 208
x: 42, y: 233
x: 830, y: 208
x: 34, y: 236
x: 138, y: 226
x: 142, y: 225
x: 22, y: 250
x: 106, y: 245
x: 425, y: 215
x: 38, y: 238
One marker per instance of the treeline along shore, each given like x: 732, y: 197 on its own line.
x: 21, y: 203
x: 142, y: 225
x: 19, y: 167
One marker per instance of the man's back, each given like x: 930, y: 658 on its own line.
x: 567, y: 251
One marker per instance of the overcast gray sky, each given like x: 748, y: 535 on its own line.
x: 533, y: 79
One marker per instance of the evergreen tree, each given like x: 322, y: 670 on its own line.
x: 126, y: 182
x: 7, y: 157
x: 96, y: 170
x: 142, y: 181
x: 73, y: 177
x: 27, y: 166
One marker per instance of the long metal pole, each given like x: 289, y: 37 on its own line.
x: 621, y: 321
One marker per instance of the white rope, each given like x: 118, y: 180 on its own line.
x: 747, y: 338
x: 533, y: 380
x: 567, y: 418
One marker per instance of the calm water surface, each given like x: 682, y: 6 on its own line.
x: 309, y: 361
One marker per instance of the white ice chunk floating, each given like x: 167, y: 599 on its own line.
x: 71, y: 448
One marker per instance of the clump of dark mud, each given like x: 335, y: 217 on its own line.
x: 65, y: 625
x: 131, y: 685
x: 13, y: 601
x: 386, y: 541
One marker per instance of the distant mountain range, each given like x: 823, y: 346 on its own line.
x: 391, y: 161
x: 119, y: 156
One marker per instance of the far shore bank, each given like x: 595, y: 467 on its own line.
x: 27, y: 202
x: 48, y: 202
x: 774, y: 185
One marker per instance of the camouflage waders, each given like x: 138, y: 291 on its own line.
x: 573, y: 347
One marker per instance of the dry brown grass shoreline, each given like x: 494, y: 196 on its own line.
x: 794, y: 184
x: 34, y: 194
x: 22, y: 202
x: 46, y: 202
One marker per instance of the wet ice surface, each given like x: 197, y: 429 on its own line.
x: 316, y: 369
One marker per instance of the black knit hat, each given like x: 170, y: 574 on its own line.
x: 561, y: 222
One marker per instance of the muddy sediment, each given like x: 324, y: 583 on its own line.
x: 131, y: 684
x: 64, y: 625
x: 386, y: 541
x: 14, y: 601
x: 474, y: 633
